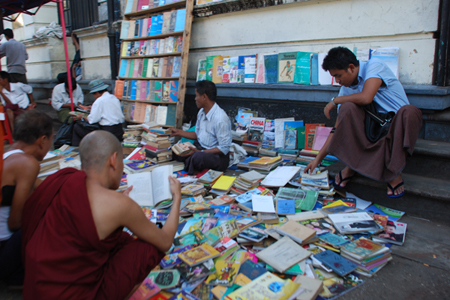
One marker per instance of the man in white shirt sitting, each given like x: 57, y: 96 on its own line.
x: 16, y: 97
x: 61, y: 99
x: 105, y: 111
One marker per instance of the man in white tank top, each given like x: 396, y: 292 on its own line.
x: 33, y: 138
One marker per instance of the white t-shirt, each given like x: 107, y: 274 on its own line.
x: 18, y: 94
x: 106, y: 111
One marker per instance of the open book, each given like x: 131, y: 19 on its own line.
x: 151, y: 188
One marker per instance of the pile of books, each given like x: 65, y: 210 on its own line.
x: 132, y: 136
x: 252, y: 147
x: 247, y: 181
x: 265, y: 164
x: 64, y: 157
x: 157, y: 144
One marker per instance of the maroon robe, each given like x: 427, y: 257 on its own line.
x: 63, y: 255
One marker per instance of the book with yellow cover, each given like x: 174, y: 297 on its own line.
x: 266, y: 286
x: 266, y: 160
x: 224, y: 183
x: 226, y: 272
x: 198, y: 255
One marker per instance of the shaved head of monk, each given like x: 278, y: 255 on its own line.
x: 101, y: 154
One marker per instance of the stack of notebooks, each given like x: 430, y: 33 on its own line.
x: 157, y: 144
x: 265, y: 164
x: 223, y: 185
x: 247, y: 181
x: 368, y: 255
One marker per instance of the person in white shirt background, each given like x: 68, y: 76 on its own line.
x: 61, y: 99
x: 16, y: 97
x: 105, y: 111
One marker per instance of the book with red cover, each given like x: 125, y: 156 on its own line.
x: 118, y: 89
x: 310, y: 132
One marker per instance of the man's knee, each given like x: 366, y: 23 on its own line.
x: 348, y: 107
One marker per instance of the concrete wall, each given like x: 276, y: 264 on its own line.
x: 318, y: 26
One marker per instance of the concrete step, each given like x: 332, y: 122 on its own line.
x: 430, y: 159
x: 425, y: 197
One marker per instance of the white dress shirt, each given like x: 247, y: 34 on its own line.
x: 214, y: 129
x: 106, y: 111
x: 18, y: 94
x: 61, y: 97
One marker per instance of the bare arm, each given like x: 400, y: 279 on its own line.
x: 25, y: 184
x: 4, y: 96
x: 135, y: 220
x: 32, y: 103
x: 365, y: 97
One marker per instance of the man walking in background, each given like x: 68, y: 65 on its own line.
x: 16, y: 55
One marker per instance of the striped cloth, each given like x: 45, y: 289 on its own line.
x: 214, y: 129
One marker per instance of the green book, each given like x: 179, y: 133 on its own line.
x: 158, y: 90
x: 303, y: 68
x: 171, y: 115
x: 209, y: 67
x: 300, y: 137
x: 131, y: 63
x: 144, y: 68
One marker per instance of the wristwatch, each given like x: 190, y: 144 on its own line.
x: 332, y: 101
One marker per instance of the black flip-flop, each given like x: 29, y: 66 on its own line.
x: 338, y: 186
x: 393, y: 190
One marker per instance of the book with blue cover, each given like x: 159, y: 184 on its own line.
x: 241, y: 69
x: 252, y: 270
x: 271, y: 67
x: 173, y: 91
x: 154, y: 25
x: 337, y: 263
x: 286, y: 207
x: 172, y: 259
x: 133, y: 89
x: 180, y: 20
x: 123, y: 68
x: 292, y: 125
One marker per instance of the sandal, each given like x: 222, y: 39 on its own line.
x: 395, y: 188
x: 338, y: 186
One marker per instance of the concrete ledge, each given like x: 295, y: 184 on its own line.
x: 423, y: 96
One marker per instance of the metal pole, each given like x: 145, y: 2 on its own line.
x: 69, y: 71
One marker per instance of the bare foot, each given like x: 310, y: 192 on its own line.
x: 394, y: 183
x: 346, y: 173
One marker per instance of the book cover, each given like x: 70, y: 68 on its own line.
x: 303, y: 68
x: 166, y: 22
x: 362, y: 248
x: 179, y: 44
x: 123, y: 68
x: 136, y: 28
x: 229, y: 228
x: 271, y: 68
x: 394, y: 232
x: 131, y: 29
x: 198, y: 255
x: 159, y: 24
x: 128, y: 7
x: 191, y: 225
x: 180, y: 19
x: 176, y: 67
x: 224, y: 183
x: 210, y: 176
x: 390, y: 57
x: 267, y: 286
x: 146, y: 290
x: 392, y: 214
x: 173, y: 91
x: 209, y: 67
x: 234, y: 66
x: 165, y: 279
x: 209, y: 223
x: 241, y: 70
x: 124, y: 30
x: 166, y: 91
x: 254, y: 234
x: 296, y: 231
x: 301, y: 137
x: 226, y: 69
x: 353, y: 222
x: 154, y: 26
x: 226, y: 272
x: 260, y: 69
x: 193, y: 238
x: 249, y: 69
x: 172, y: 259
x: 310, y: 132
x: 217, y: 71
x: 292, y: 125
x: 290, y: 139
x: 198, y: 272
x: 252, y: 270
x: 158, y: 90
x: 335, y: 286
x: 286, y: 207
x: 201, y: 71
x: 333, y: 239
x: 286, y: 67
x: 269, y: 134
x: 133, y: 89
x: 173, y: 19
x: 321, y: 137
x: 118, y: 88
x: 336, y: 262
x: 256, y: 129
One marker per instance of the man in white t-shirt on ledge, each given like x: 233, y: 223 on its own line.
x: 61, y: 98
x: 105, y: 111
x: 16, y: 97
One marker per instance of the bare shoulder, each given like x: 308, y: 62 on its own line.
x: 20, y: 162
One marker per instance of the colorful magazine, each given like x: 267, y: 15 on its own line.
x: 226, y: 272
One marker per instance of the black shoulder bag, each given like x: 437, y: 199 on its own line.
x: 377, y: 124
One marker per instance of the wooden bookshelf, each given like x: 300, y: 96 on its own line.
x: 155, y: 37
x: 152, y: 56
x: 184, y: 54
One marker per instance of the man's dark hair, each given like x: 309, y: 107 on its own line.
x: 8, y: 33
x: 339, y: 58
x: 206, y: 87
x: 5, y: 75
x: 31, y: 125
x: 74, y: 83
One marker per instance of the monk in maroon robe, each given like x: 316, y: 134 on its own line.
x: 74, y: 245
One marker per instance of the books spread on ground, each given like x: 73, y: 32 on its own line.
x: 151, y: 188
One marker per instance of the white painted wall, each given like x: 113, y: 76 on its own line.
x: 318, y: 26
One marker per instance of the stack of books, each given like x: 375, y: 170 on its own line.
x: 265, y: 164
x: 210, y: 177
x: 132, y: 137
x: 247, y: 181
x: 157, y: 144
x: 223, y: 185
x: 192, y: 190
x: 368, y: 255
x: 252, y: 147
